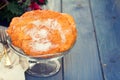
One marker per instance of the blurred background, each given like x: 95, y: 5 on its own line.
x: 14, y: 8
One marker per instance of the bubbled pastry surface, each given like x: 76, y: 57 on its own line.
x: 42, y: 32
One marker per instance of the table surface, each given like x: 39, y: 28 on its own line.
x: 96, y: 54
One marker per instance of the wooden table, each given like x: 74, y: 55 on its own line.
x: 96, y: 54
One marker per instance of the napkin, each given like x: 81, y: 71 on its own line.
x: 16, y: 72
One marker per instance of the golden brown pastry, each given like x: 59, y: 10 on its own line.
x: 42, y: 32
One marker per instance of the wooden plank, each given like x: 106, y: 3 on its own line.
x: 56, y: 6
x: 82, y: 63
x: 106, y: 17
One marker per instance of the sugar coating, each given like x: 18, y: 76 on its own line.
x: 41, y: 46
x: 39, y: 34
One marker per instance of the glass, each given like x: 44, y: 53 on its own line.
x: 1, y: 51
x: 41, y: 66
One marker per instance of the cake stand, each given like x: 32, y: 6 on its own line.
x: 40, y: 66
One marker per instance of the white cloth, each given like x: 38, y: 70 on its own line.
x: 19, y: 64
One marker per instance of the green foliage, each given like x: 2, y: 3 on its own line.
x: 13, y: 9
x: 16, y: 8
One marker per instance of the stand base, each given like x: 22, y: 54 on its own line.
x: 44, y: 68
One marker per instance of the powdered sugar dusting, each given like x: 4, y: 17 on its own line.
x: 36, y: 22
x: 43, y: 33
x: 39, y: 34
x: 53, y: 24
x: 41, y: 46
